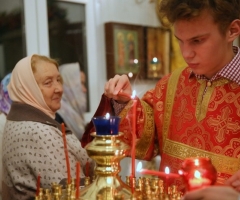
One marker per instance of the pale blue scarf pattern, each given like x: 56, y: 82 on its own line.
x: 5, y: 101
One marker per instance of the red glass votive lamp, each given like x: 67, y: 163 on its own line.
x: 198, y: 173
x: 106, y: 125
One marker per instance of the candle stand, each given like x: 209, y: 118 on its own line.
x: 107, y: 151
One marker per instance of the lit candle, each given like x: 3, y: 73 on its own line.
x: 138, y: 169
x: 133, y: 151
x: 134, y: 113
x: 198, y: 172
x: 107, y: 116
x: 66, y: 153
x: 198, y: 181
x: 38, y: 184
x: 166, y: 176
x: 77, y: 179
x: 106, y: 125
x: 167, y: 172
x: 159, y: 174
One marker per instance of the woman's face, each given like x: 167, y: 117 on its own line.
x: 49, y: 81
x: 204, y: 48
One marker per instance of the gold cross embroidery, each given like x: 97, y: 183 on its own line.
x: 182, y: 115
x: 223, y: 124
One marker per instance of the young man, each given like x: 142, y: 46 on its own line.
x: 194, y: 111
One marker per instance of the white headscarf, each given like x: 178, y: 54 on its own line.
x: 23, y: 87
x: 73, y: 104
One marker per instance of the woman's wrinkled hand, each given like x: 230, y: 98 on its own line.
x: 212, y: 193
x: 234, y: 181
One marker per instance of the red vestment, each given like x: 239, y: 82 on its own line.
x: 202, y: 120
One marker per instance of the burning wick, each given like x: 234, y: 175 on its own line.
x: 139, y: 166
x: 198, y: 181
x: 167, y: 170
x: 107, y: 116
x: 133, y: 94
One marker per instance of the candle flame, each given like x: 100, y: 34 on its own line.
x: 130, y: 74
x: 133, y: 94
x: 107, y: 116
x: 180, y: 172
x: 167, y: 170
x: 135, y: 61
x: 197, y: 174
x: 196, y: 162
x: 139, y: 166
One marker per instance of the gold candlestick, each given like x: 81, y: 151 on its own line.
x: 107, y: 151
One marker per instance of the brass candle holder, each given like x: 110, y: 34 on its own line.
x: 107, y: 151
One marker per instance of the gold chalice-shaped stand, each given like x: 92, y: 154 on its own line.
x: 107, y: 151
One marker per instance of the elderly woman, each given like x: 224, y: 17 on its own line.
x: 32, y: 140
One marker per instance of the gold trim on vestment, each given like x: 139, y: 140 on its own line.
x: 204, y: 96
x: 171, y: 90
x: 142, y: 144
x: 223, y: 164
x: 124, y: 112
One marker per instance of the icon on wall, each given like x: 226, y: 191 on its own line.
x: 137, y: 51
x: 124, y: 49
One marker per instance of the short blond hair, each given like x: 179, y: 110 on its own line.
x: 36, y: 58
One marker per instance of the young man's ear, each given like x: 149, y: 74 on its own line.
x: 234, y: 30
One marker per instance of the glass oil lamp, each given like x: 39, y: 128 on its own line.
x: 106, y: 125
x: 198, y: 173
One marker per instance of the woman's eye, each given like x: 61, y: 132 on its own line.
x: 48, y: 83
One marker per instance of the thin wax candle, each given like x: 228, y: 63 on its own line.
x: 77, y: 179
x: 159, y: 174
x: 87, y: 168
x: 66, y: 153
x: 38, y: 184
x: 133, y: 152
